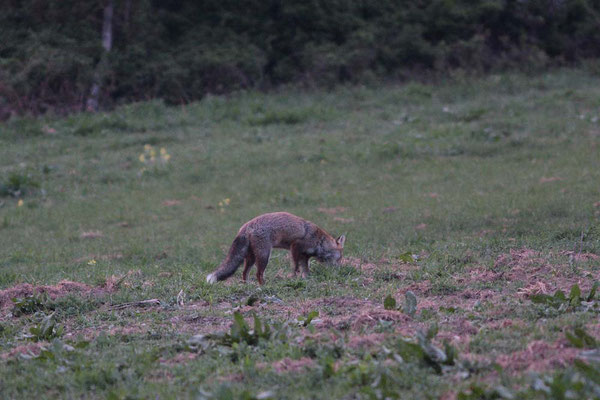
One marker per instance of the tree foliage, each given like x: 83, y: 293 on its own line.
x: 180, y: 50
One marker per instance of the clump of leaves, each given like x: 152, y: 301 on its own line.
x: 224, y: 392
x: 477, y: 392
x: 450, y: 310
x: 582, y: 382
x: 57, y: 351
x: 327, y: 365
x: 389, y: 303
x: 378, y: 378
x: 17, y: 185
x: 383, y: 385
x: 574, y: 301
x: 410, y: 303
x: 30, y: 304
x: 425, y: 351
x: 298, y: 284
x: 47, y: 329
x: 241, y: 333
x: 409, y: 307
x: 408, y: 257
x: 581, y: 339
x: 306, y: 320
x: 252, y: 299
x: 198, y: 343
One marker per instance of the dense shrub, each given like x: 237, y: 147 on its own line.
x: 180, y: 50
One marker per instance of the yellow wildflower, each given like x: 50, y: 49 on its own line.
x: 20, y: 203
x: 142, y: 158
x: 227, y: 201
x: 92, y: 262
x: 152, y: 152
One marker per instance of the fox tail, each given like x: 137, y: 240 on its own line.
x: 237, y: 253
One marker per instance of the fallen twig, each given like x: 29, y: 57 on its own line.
x: 142, y: 303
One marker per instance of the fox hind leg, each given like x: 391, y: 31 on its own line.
x: 262, y: 260
x: 248, y: 263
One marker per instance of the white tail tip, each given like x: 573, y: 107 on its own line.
x: 211, y: 278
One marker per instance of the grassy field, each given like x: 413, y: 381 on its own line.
x: 480, y: 197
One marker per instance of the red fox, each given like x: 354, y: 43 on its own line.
x: 281, y: 230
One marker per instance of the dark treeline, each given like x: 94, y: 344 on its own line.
x: 50, y: 51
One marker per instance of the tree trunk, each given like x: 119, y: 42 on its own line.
x: 127, y: 16
x: 100, y: 73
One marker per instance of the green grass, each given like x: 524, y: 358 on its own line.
x: 458, y: 173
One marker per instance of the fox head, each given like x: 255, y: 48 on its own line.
x: 331, y: 250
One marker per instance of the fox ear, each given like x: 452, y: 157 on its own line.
x: 341, y: 240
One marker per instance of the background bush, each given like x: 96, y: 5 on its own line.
x: 180, y: 50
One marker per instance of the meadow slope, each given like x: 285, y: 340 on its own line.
x: 479, y: 196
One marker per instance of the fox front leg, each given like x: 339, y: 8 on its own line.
x: 304, y: 265
x: 299, y: 260
x: 296, y: 268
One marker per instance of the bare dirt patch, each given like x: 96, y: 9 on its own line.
x: 29, y: 349
x: 288, y: 365
x: 179, y: 358
x: 519, y: 258
x: 538, y: 274
x: 534, y: 288
x: 91, y: 235
x: 579, y: 256
x: 366, y: 341
x: 359, y: 264
x: 421, y: 288
x: 61, y: 289
x: 231, y: 378
x: 113, y: 282
x: 345, y: 313
x: 478, y: 274
x: 343, y: 220
x: 128, y: 330
x: 200, y: 324
x: 539, y: 356
x: 332, y: 210
x: 544, y: 179
x: 171, y: 203
x: 399, y: 270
